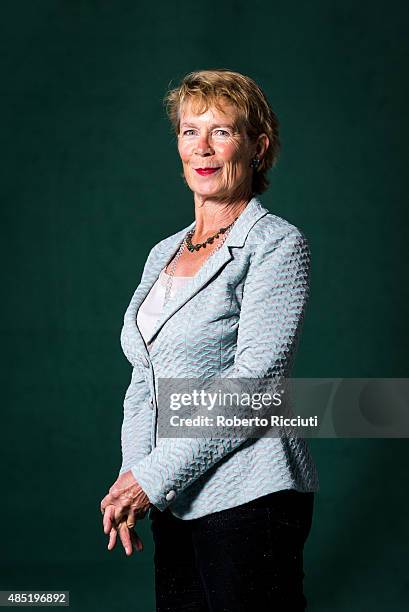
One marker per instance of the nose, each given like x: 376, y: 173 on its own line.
x: 203, y: 146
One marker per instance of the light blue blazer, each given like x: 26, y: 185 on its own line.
x: 239, y: 316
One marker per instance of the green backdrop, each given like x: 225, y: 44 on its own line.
x: 90, y: 180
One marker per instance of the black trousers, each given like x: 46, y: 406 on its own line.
x: 238, y: 560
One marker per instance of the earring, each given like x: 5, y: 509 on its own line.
x: 255, y: 162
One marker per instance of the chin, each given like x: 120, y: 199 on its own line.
x: 207, y: 190
x: 209, y: 194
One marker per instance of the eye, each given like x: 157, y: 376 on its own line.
x: 221, y: 132
x: 188, y: 132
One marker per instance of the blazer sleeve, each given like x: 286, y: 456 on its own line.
x: 137, y: 420
x: 136, y: 424
x: 274, y: 298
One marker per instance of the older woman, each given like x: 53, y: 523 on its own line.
x: 223, y: 297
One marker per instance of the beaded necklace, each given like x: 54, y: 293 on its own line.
x: 187, y: 241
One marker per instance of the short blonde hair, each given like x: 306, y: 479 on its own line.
x: 207, y: 87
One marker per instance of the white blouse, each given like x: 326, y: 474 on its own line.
x: 151, y: 308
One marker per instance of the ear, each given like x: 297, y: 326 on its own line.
x: 262, y: 144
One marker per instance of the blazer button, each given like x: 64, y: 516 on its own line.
x: 170, y: 496
x: 145, y: 361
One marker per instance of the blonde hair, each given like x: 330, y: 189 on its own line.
x: 207, y: 87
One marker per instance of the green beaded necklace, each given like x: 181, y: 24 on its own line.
x: 195, y: 247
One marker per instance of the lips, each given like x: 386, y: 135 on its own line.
x: 206, y: 171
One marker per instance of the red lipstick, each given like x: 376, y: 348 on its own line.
x: 206, y: 171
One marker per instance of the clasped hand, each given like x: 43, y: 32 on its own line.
x: 125, y: 503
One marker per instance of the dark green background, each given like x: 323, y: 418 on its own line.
x: 90, y: 180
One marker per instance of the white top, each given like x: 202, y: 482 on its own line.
x: 151, y: 308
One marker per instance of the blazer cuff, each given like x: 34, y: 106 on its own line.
x: 157, y: 495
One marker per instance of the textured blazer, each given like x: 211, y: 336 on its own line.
x: 239, y: 316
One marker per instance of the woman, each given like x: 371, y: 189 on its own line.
x: 224, y: 297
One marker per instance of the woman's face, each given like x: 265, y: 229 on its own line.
x: 215, y: 152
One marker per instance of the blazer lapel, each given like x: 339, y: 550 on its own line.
x: 209, y: 269
x: 213, y: 264
x: 132, y: 341
x: 131, y: 338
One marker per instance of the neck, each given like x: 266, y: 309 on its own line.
x: 212, y: 214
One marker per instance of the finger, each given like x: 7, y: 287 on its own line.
x: 114, y: 492
x: 112, y: 538
x: 105, y: 502
x: 125, y: 538
x: 108, y: 521
x: 120, y: 513
x: 131, y: 519
x: 136, y: 541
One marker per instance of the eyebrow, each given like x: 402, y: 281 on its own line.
x: 213, y: 125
